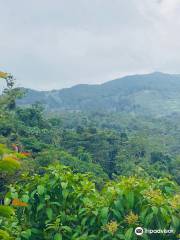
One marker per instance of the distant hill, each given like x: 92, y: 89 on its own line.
x: 155, y: 94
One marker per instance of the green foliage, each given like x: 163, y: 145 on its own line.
x: 49, y: 156
x: 9, y: 164
x: 80, y: 202
x: 4, y: 235
x: 6, y: 211
x: 64, y: 205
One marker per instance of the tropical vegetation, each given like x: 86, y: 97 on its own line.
x: 82, y: 175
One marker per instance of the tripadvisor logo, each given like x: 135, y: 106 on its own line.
x: 139, y: 231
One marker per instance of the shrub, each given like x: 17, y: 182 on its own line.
x: 64, y: 205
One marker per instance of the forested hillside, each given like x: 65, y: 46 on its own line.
x: 90, y: 175
x: 155, y: 94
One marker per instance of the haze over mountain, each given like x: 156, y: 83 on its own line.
x: 156, y: 94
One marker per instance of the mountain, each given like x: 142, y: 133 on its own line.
x: 155, y: 94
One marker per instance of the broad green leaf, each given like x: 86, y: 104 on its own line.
x: 6, y: 211
x: 129, y: 234
x: 117, y: 214
x: 104, y: 215
x: 25, y: 198
x: 40, y: 189
x: 92, y: 221
x: 176, y: 222
x: 49, y: 213
x: 165, y: 214
x: 67, y: 228
x: 64, y: 185
x: 119, y: 206
x: 4, y: 235
x: 7, y: 201
x: 143, y: 214
x: 148, y: 219
x: 35, y: 230
x: 120, y: 236
x: 65, y: 193
x: 155, y: 210
x: 130, y: 199
x: 40, y: 206
x: 58, y: 236
x: 26, y: 234
x: 83, y: 222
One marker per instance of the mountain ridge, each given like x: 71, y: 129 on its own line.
x: 154, y: 93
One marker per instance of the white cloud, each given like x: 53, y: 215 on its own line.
x: 54, y: 44
x: 169, y: 8
x: 160, y: 10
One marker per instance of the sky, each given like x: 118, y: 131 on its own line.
x: 54, y: 44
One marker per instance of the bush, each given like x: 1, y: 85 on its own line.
x: 64, y: 205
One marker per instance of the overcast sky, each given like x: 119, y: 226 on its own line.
x: 52, y: 44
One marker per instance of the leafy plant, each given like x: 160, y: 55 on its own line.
x: 64, y: 205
